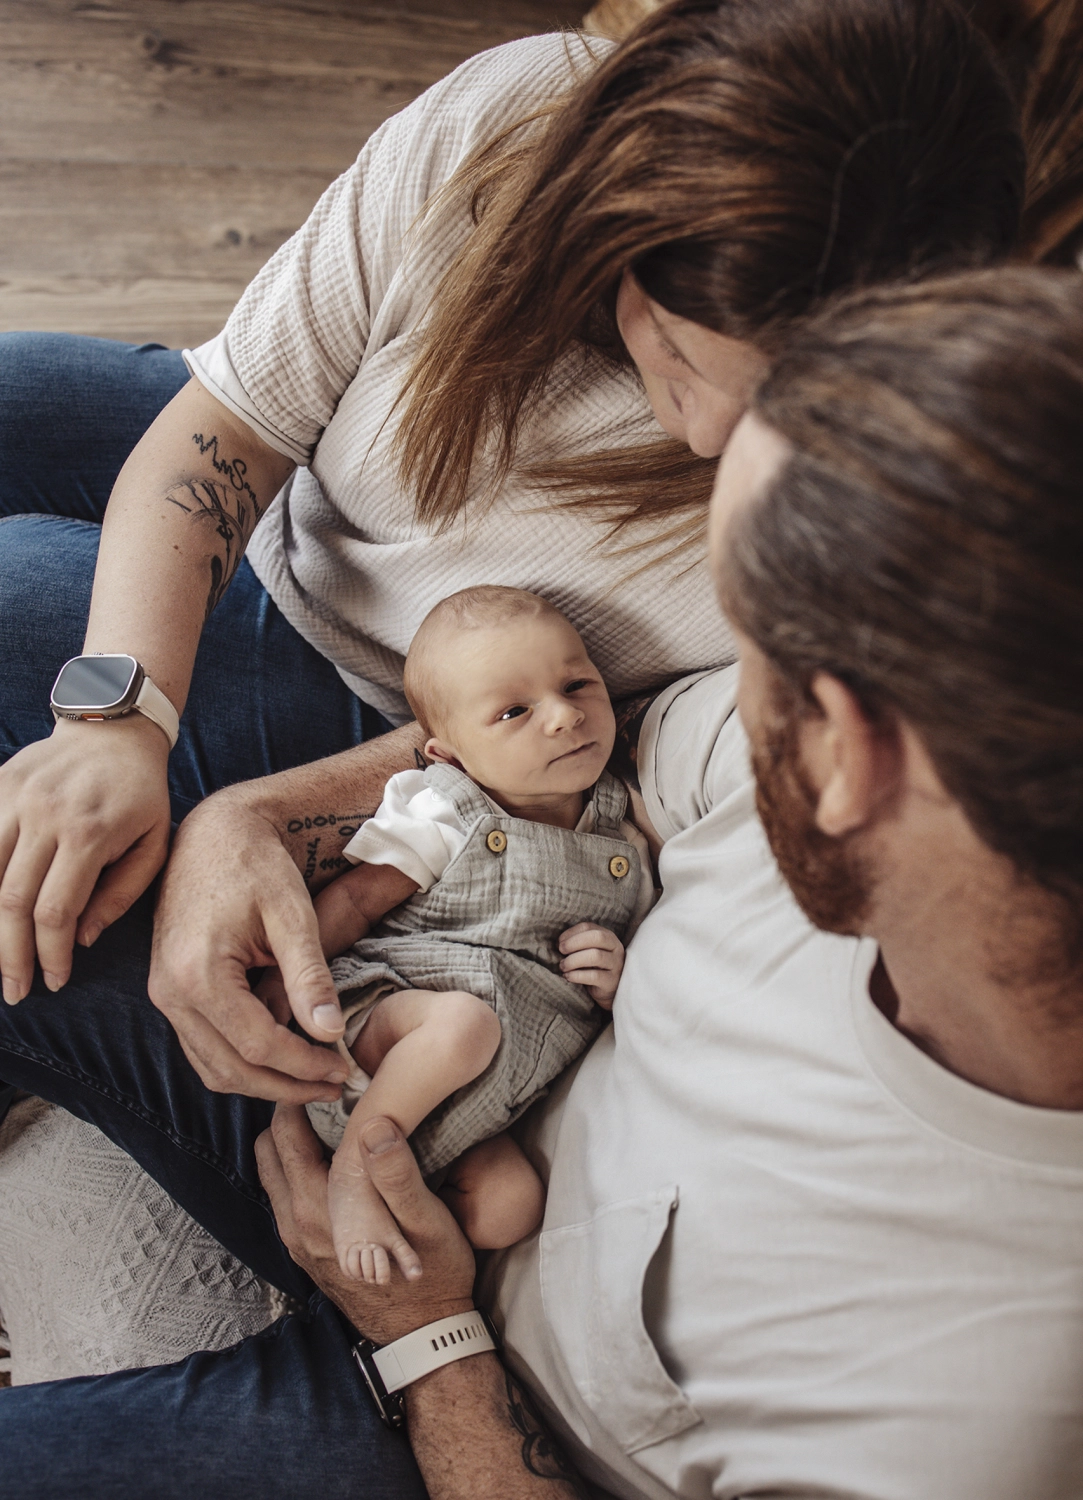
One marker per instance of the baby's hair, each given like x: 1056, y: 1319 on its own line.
x: 477, y: 608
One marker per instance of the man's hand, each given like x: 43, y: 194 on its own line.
x: 594, y: 958
x: 472, y: 1427
x: 84, y: 829
x: 233, y: 900
x: 294, y: 1173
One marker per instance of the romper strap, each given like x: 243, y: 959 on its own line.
x: 611, y: 804
x: 467, y: 798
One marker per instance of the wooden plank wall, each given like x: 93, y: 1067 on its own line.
x: 153, y: 153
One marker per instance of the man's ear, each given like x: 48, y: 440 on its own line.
x: 850, y: 763
x: 444, y: 755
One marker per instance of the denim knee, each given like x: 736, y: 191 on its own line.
x: 46, y: 576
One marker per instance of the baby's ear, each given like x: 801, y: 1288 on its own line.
x: 444, y: 755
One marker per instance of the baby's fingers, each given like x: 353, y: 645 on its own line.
x: 588, y: 961
x: 587, y: 935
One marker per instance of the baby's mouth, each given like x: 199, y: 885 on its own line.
x: 569, y: 754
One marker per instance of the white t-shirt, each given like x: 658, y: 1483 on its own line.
x: 313, y: 358
x: 418, y: 830
x: 784, y: 1252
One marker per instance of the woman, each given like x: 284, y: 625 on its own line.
x: 534, y: 399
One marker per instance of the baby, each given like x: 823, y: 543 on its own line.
x: 497, y: 894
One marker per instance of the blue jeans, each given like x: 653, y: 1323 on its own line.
x: 285, y: 1412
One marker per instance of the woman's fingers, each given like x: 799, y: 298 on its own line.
x: 122, y: 883
x: 26, y: 869
x: 74, y: 804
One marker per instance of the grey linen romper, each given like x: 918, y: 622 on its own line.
x: 490, y: 926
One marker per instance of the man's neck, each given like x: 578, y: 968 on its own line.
x: 1019, y: 1038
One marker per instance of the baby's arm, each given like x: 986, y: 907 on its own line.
x: 346, y: 911
x: 350, y: 906
x: 593, y: 957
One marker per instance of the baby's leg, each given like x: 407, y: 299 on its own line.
x: 495, y: 1194
x: 419, y: 1046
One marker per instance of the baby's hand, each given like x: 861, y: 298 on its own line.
x: 272, y: 991
x: 593, y: 957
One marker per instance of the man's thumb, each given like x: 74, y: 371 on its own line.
x: 308, y: 983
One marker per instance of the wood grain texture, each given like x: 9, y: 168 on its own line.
x: 154, y: 153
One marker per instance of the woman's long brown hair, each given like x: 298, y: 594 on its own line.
x: 744, y: 158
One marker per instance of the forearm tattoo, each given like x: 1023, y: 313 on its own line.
x: 327, y: 835
x: 630, y: 713
x: 541, y: 1454
x: 227, y: 505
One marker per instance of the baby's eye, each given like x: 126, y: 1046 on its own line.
x: 513, y: 713
x: 573, y: 687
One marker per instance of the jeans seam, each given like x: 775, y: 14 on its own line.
x: 191, y: 1148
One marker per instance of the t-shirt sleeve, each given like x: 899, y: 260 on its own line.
x: 692, y: 750
x: 415, y: 829
x: 315, y: 312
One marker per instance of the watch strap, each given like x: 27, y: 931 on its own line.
x: 154, y: 705
x: 432, y: 1347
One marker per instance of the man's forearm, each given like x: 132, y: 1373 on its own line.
x: 316, y: 809
x: 476, y: 1436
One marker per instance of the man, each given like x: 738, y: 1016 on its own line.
x: 815, y: 1200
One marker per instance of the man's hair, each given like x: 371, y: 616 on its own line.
x: 427, y: 689
x: 923, y: 543
x: 744, y: 158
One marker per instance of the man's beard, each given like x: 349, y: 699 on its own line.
x: 826, y: 875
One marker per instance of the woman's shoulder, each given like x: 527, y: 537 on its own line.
x: 519, y: 76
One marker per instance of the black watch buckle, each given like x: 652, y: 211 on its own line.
x: 390, y: 1404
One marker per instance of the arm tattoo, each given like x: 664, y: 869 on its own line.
x: 541, y: 1455
x: 344, y: 825
x: 228, y: 506
x: 630, y: 713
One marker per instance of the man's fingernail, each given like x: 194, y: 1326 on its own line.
x: 52, y: 981
x: 379, y: 1137
x: 91, y: 934
x: 336, y: 1078
x: 13, y: 991
x: 328, y: 1017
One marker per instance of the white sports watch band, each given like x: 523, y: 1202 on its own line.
x: 392, y: 1367
x: 430, y: 1348
x: 153, y: 704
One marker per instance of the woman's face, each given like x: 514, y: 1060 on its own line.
x: 698, y: 382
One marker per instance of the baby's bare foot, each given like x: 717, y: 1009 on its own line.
x: 365, y: 1233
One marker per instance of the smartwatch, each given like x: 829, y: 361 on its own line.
x: 108, y: 687
x: 389, y: 1368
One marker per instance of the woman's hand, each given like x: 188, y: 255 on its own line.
x: 84, y: 829
x: 294, y: 1173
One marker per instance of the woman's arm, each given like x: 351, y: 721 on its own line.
x: 84, y: 814
x: 472, y: 1428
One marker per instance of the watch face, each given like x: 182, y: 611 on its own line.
x: 94, y: 682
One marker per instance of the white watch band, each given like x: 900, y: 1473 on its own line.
x: 154, y: 704
x: 430, y: 1348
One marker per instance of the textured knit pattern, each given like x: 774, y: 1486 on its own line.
x: 314, y: 357
x: 490, y: 926
x: 99, y: 1269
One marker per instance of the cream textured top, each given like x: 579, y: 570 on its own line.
x: 315, y: 354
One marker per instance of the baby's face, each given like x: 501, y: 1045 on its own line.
x: 530, y: 715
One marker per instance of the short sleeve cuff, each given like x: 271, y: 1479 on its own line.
x: 211, y: 365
